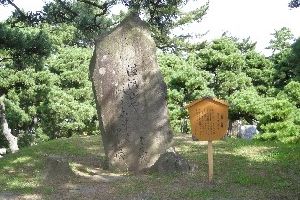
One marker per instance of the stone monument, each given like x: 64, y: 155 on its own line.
x: 131, y: 97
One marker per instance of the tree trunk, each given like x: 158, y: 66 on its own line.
x: 12, y: 140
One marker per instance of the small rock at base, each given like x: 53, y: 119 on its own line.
x: 3, y: 151
x: 171, y: 162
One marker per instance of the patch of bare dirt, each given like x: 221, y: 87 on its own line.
x: 78, y: 178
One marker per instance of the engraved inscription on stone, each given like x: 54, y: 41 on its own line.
x: 130, y: 96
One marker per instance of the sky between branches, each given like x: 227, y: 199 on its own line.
x: 240, y: 18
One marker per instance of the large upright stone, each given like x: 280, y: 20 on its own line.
x: 130, y: 97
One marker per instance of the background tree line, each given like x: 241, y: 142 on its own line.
x: 258, y: 88
x: 44, y: 60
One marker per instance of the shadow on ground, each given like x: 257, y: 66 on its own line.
x: 242, y: 170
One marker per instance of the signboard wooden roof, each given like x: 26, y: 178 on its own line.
x: 207, y: 98
x: 209, y: 118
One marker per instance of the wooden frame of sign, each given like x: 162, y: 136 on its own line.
x: 209, y: 121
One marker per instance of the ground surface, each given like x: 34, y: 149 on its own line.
x: 242, y: 170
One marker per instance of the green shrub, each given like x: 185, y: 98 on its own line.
x: 280, y: 121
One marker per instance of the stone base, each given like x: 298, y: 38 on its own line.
x: 57, y: 169
x: 172, y: 162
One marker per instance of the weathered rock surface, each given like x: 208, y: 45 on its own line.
x: 248, y: 131
x: 57, y: 170
x: 171, y: 162
x: 130, y: 96
x: 3, y: 151
x: 245, y: 131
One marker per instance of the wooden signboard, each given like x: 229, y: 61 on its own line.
x: 208, y: 118
x: 209, y: 121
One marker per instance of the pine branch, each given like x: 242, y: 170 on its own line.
x: 64, y: 6
x: 4, y: 59
x: 23, y: 15
x: 103, y: 7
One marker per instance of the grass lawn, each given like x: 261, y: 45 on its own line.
x: 242, y: 170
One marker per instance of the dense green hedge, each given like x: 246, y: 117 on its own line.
x: 49, y: 95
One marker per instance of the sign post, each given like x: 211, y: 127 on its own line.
x: 209, y: 121
x: 210, y: 161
